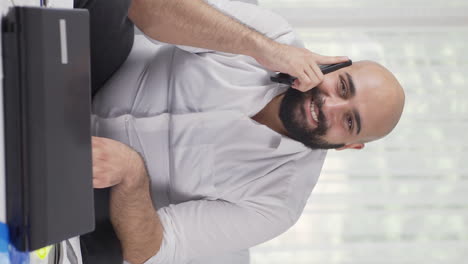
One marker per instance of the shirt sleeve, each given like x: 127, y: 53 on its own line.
x: 262, y: 20
x: 202, y: 228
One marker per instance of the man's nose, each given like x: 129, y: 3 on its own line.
x: 333, y: 108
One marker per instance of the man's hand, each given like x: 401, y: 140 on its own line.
x: 297, y: 62
x: 133, y: 215
x: 113, y: 162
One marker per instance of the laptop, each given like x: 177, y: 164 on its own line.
x: 47, y: 105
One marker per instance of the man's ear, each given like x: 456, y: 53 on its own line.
x: 352, y: 146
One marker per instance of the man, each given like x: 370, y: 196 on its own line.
x: 232, y: 157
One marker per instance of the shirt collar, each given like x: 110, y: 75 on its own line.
x: 283, y: 144
x: 290, y: 146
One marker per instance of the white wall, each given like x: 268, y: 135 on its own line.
x: 402, y: 199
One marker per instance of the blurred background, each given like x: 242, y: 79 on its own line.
x: 403, y: 199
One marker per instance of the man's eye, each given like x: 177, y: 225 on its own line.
x: 343, y: 88
x: 350, y: 123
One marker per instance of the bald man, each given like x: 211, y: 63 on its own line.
x: 352, y: 106
x: 206, y: 157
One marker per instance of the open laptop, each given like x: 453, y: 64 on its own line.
x: 47, y: 103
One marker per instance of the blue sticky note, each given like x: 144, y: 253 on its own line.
x: 4, y: 238
x: 8, y: 253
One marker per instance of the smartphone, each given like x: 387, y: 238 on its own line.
x: 327, y: 68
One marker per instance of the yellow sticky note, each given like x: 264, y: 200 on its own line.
x: 43, y: 252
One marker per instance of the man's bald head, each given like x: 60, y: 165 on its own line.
x: 352, y: 106
x: 385, y: 96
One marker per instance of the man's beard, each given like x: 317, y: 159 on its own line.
x: 295, y: 122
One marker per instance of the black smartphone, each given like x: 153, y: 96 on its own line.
x: 327, y: 68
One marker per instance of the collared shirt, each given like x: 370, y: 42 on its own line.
x: 221, y: 181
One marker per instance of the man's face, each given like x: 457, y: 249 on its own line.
x: 352, y: 105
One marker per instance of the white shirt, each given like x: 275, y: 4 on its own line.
x: 221, y: 181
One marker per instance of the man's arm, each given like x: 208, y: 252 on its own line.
x: 195, y: 23
x: 188, y: 230
x: 131, y: 209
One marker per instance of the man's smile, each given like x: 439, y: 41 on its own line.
x: 311, y: 111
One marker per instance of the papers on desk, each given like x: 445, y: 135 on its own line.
x: 59, y: 3
x: 5, y: 4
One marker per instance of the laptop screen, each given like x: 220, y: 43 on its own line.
x: 47, y: 125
